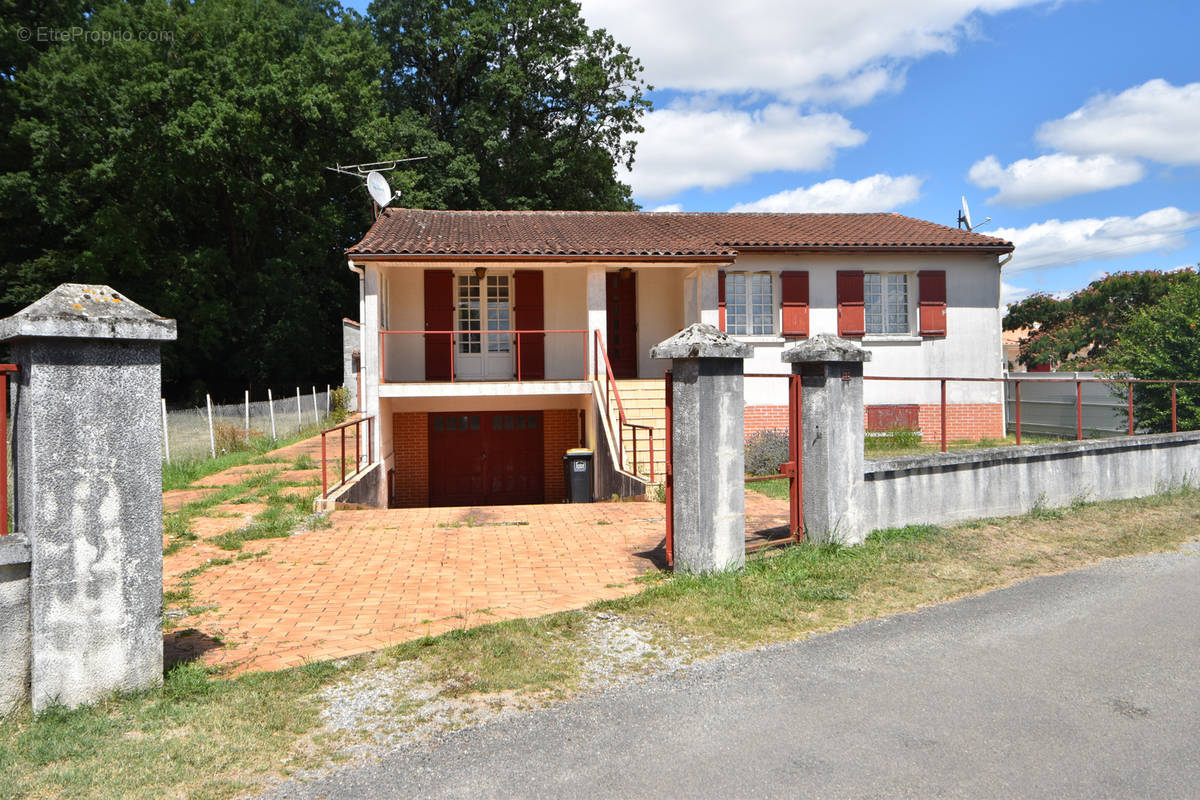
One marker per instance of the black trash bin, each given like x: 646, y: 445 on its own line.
x: 577, y: 470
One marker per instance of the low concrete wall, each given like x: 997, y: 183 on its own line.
x: 1007, y: 481
x: 15, y: 639
x: 608, y: 479
x: 364, y: 489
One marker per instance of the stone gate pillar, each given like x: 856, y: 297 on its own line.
x: 708, y: 448
x: 87, y: 468
x: 831, y: 388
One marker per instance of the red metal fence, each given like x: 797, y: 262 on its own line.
x: 1129, y: 384
x: 5, y: 369
x: 357, y: 425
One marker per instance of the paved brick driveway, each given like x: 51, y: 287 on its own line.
x: 379, y: 577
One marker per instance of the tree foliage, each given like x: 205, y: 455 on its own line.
x: 187, y: 168
x: 530, y: 108
x: 1161, y: 340
x: 1083, y: 327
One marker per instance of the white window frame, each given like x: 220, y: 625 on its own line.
x: 493, y: 354
x: 888, y: 306
x: 759, y: 317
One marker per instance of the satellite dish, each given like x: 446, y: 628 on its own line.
x: 377, y: 185
x: 964, y: 218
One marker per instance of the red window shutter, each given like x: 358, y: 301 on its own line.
x: 931, y: 307
x: 851, y: 311
x: 529, y: 315
x: 721, y: 299
x: 439, y: 316
x: 794, y: 290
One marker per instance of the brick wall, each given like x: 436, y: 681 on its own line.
x: 963, y: 420
x: 560, y: 432
x: 766, y: 418
x: 410, y: 438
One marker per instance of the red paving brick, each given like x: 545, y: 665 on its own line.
x: 378, y: 577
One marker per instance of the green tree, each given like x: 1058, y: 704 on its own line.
x: 1082, y: 328
x: 185, y: 167
x: 1161, y: 340
x: 530, y: 108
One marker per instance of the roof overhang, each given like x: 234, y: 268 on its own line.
x: 562, y: 259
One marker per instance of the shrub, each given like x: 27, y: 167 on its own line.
x: 339, y: 404
x: 230, y: 438
x: 765, y: 451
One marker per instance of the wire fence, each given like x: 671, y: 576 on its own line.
x: 215, y: 428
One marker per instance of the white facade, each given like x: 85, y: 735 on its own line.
x: 671, y: 296
x: 970, y: 348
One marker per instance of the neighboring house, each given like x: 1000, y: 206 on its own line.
x: 471, y: 413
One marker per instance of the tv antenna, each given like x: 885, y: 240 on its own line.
x: 964, y: 217
x: 371, y: 173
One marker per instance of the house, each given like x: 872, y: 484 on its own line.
x: 488, y: 337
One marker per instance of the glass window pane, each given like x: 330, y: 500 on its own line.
x: 873, y: 302
x: 735, y: 303
x: 897, y: 303
x: 762, y: 304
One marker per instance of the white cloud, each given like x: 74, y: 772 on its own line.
x: 672, y: 207
x: 685, y: 147
x: 849, y: 51
x: 1058, y: 242
x: 1052, y: 177
x: 876, y: 193
x: 1011, y: 294
x: 1156, y: 120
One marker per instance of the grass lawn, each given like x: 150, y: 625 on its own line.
x: 208, y: 736
x: 180, y: 473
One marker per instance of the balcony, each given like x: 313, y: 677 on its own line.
x: 484, y: 363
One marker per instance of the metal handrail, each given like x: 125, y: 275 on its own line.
x: 517, y: 334
x: 601, y: 354
x: 358, y: 465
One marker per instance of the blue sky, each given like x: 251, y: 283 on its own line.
x: 1074, y: 124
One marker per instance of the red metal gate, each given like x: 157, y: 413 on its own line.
x: 4, y: 370
x: 792, y: 469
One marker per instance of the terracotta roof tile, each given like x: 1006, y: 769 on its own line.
x: 412, y: 232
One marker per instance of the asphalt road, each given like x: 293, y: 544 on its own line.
x: 1082, y: 685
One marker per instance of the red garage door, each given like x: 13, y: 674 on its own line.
x: 485, y: 458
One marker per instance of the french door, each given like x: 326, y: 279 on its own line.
x: 483, y: 347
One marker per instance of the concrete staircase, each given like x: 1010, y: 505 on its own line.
x: 645, y: 404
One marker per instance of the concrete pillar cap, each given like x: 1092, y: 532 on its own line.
x: 86, y: 311
x: 701, y: 340
x: 825, y: 347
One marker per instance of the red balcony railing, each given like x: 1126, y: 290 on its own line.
x: 518, y: 339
